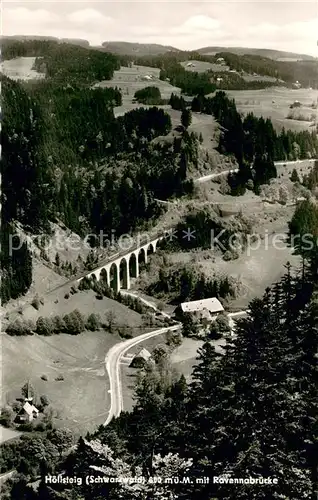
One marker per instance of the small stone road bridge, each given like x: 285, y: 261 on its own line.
x: 118, y: 270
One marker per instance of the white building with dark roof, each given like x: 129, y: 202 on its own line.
x: 27, y: 413
x: 212, y: 305
x: 140, y: 359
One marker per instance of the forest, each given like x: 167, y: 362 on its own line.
x: 290, y: 72
x: 184, y: 284
x: 67, y: 158
x: 254, y: 142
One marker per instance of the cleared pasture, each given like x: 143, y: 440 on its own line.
x: 129, y: 80
x: 81, y: 400
x: 86, y: 302
x: 20, y: 68
x: 203, y: 66
x: 8, y: 434
x: 258, y: 78
x: 274, y: 103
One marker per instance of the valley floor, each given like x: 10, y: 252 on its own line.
x: 80, y: 401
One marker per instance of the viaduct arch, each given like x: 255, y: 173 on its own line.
x: 118, y: 271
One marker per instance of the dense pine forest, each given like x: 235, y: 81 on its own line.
x: 66, y: 158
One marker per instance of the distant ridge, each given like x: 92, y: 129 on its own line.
x: 269, y: 53
x: 153, y: 49
x: 22, y: 38
x: 137, y: 49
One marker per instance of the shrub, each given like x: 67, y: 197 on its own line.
x: 125, y: 332
x: 93, y: 322
x: 15, y: 328
x: 6, y: 416
x: 28, y: 427
x: 67, y: 296
x: 294, y: 176
x: 231, y: 255
x: 44, y: 377
x: 44, y: 326
x: 36, y: 303
x: 74, y: 322
x: 29, y: 327
x: 40, y: 427
x: 58, y: 324
x: 59, y: 378
x: 44, y: 400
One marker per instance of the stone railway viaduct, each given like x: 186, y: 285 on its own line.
x: 121, y: 267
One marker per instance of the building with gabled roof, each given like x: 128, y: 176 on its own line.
x: 212, y: 305
x: 140, y: 359
x: 27, y: 413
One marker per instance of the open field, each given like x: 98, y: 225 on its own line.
x: 264, y: 265
x: 274, y: 103
x: 256, y: 270
x: 303, y: 167
x: 8, y: 434
x: 129, y: 80
x: 258, y: 78
x: 20, y: 68
x: 202, y: 66
x: 260, y: 265
x: 68, y: 245
x: 85, y: 302
x: 200, y: 124
x: 80, y: 401
x: 184, y: 357
x: 44, y: 279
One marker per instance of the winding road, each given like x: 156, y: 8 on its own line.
x: 216, y: 175
x: 116, y: 353
x: 112, y: 365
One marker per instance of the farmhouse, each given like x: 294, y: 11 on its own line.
x: 300, y: 200
x: 205, y: 308
x: 140, y: 359
x: 27, y: 413
x: 296, y: 85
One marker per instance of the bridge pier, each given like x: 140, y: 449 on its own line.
x: 134, y: 265
x: 124, y: 274
x: 114, y: 280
